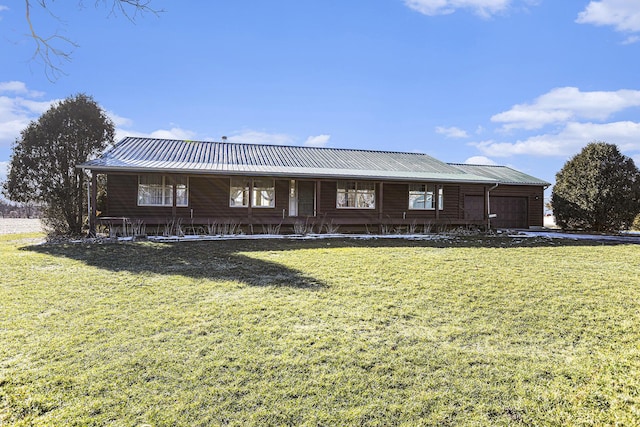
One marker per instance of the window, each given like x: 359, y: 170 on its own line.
x: 421, y: 196
x: 239, y: 193
x: 263, y: 193
x: 157, y: 190
x: 356, y: 195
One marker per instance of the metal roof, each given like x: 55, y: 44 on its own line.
x: 502, y: 174
x: 224, y: 158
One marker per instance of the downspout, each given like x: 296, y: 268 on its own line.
x: 489, y: 205
x: 88, y: 204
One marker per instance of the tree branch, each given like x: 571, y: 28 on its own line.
x: 50, y: 55
x: 53, y: 56
x: 139, y: 7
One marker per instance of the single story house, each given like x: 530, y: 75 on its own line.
x: 155, y: 180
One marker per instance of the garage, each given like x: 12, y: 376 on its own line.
x: 511, y: 212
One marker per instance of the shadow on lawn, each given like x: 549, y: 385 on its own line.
x: 200, y: 260
x: 223, y: 259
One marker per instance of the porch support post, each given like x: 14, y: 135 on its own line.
x: 381, y: 208
x: 437, y: 200
x: 93, y: 201
x: 250, y: 203
x: 318, y: 198
x: 174, y: 210
x: 487, y: 207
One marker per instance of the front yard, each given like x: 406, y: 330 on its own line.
x: 326, y: 332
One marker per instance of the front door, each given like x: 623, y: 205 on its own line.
x: 306, y: 198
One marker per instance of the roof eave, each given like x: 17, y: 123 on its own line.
x: 464, y: 178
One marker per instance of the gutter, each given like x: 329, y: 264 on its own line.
x: 295, y: 174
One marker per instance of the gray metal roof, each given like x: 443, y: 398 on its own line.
x: 502, y: 174
x: 223, y: 158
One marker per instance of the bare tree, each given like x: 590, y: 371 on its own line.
x: 55, y: 49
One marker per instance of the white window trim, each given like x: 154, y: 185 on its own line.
x: 252, y: 189
x: 247, y: 189
x: 164, y: 185
x: 250, y: 198
x: 439, y: 197
x: 186, y: 205
x: 356, y: 207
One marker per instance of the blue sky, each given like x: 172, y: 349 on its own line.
x: 523, y: 83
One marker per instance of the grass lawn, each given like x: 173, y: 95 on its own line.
x: 327, y: 332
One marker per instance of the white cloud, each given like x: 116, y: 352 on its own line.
x: 483, y: 8
x: 256, y: 137
x: 20, y: 88
x: 15, y: 115
x: 480, y: 160
x: 118, y: 120
x: 173, y: 133
x: 565, y: 104
x: 571, y: 139
x: 317, y: 141
x: 452, y: 132
x: 13, y: 86
x: 623, y: 15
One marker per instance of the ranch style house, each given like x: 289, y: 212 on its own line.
x: 158, y: 180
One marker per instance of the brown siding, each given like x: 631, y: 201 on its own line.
x: 209, y: 199
x: 122, y: 196
x: 452, y: 206
x: 396, y: 204
x: 395, y: 200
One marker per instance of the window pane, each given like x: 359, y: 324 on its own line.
x: 416, y: 188
x: 150, y: 190
x: 416, y: 200
x: 264, y: 193
x: 346, y: 185
x: 151, y: 179
x: 346, y: 199
x: 239, y: 192
x: 367, y: 186
x: 367, y: 200
x: 182, y: 198
x: 341, y: 199
x: 422, y: 196
x: 356, y: 194
x: 168, y: 195
x: 149, y: 194
x: 428, y: 203
x: 351, y: 198
x: 366, y: 195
